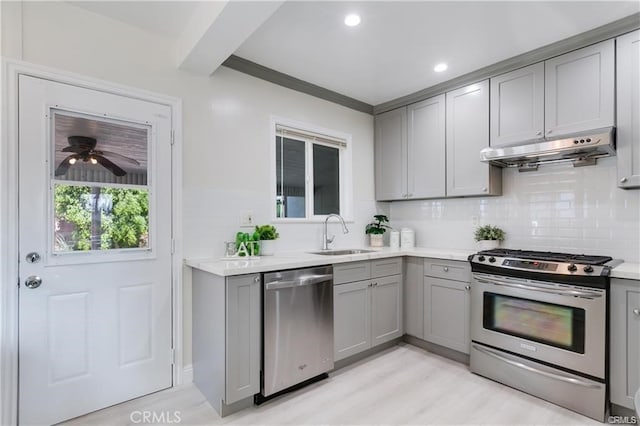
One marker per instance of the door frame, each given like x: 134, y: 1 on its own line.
x: 10, y: 71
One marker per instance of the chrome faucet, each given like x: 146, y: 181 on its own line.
x: 325, y: 239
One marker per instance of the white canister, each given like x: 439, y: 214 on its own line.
x: 407, y: 238
x: 394, y: 240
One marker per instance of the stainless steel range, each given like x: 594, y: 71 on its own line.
x: 539, y: 324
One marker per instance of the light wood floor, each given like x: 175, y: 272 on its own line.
x: 403, y: 385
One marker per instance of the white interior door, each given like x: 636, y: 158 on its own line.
x: 95, y: 234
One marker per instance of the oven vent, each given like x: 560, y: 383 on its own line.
x: 581, y: 150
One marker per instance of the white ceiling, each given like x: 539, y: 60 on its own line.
x: 393, y: 51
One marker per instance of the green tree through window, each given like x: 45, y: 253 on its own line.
x: 96, y: 218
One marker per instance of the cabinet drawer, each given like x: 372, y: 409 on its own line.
x: 351, y: 271
x: 447, y: 269
x: 386, y: 267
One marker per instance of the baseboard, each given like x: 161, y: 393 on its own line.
x: 187, y: 374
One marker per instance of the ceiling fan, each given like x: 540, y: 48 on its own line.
x: 83, y: 148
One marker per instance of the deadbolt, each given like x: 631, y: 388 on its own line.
x: 33, y: 257
x: 33, y: 281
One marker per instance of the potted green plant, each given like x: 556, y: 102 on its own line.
x: 376, y: 230
x: 489, y: 236
x: 268, y: 236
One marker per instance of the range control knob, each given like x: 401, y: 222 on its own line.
x: 588, y: 269
x: 572, y: 267
x: 481, y: 258
x: 492, y: 259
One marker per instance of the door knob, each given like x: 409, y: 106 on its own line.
x: 636, y: 312
x: 33, y: 281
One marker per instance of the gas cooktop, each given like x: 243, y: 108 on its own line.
x: 541, y: 264
x: 548, y: 256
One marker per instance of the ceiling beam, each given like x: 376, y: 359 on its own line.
x: 217, y: 29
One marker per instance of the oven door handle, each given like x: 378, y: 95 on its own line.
x: 554, y: 376
x: 561, y: 292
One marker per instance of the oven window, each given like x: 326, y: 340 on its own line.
x: 548, y: 323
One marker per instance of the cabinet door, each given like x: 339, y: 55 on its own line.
x: 517, y: 106
x: 628, y: 110
x: 243, y: 330
x: 391, y: 154
x: 579, y: 90
x: 386, y: 309
x: 414, y: 297
x: 426, y: 148
x: 446, y: 313
x: 625, y: 341
x: 351, y: 318
x: 467, y: 134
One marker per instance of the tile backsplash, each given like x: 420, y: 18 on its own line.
x: 557, y: 208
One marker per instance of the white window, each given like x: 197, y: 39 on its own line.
x: 312, y: 172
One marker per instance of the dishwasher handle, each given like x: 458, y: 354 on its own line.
x: 299, y: 282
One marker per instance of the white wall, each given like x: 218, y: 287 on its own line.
x: 226, y: 126
x: 557, y: 208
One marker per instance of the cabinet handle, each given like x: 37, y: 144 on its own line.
x: 549, y: 132
x: 409, y: 195
x: 484, y: 189
x: 446, y: 269
x: 636, y: 312
x: 623, y: 180
x: 370, y: 285
x: 539, y: 133
x: 467, y: 287
x: 256, y: 280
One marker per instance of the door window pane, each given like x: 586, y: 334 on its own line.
x: 91, y: 150
x: 290, y: 179
x: 100, y: 184
x: 100, y: 218
x: 326, y: 180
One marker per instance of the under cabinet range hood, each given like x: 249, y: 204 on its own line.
x: 581, y: 149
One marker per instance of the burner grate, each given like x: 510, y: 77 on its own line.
x: 548, y: 256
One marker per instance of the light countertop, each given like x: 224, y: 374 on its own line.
x: 303, y: 259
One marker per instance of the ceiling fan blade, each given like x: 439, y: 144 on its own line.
x: 107, y: 164
x: 64, y: 165
x: 118, y: 156
x: 76, y: 149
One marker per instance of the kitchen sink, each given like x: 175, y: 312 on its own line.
x: 341, y: 252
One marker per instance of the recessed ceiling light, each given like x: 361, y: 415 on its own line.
x: 352, y: 20
x: 440, y: 67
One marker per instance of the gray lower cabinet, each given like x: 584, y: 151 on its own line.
x: 226, y: 337
x: 414, y: 296
x: 367, y: 312
x: 628, y: 110
x: 447, y: 303
x: 625, y: 341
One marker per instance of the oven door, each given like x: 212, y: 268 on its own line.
x: 559, y: 324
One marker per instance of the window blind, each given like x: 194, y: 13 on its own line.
x: 291, y: 132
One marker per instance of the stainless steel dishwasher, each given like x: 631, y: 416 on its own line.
x: 297, y: 327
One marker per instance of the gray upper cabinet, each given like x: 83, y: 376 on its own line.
x: 517, y: 106
x: 467, y: 134
x: 580, y: 90
x: 625, y: 341
x: 390, y: 154
x: 426, y: 149
x: 410, y: 151
x: 628, y: 110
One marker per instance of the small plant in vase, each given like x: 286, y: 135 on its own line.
x: 268, y: 236
x: 376, y: 230
x: 489, y: 236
